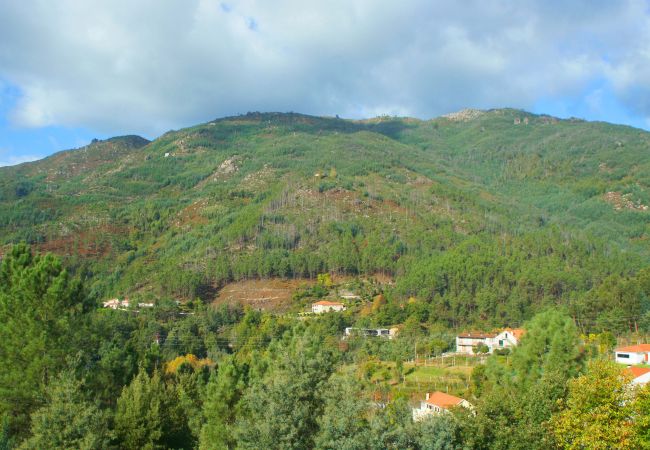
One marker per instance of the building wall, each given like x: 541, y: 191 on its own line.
x: 642, y: 380
x: 317, y: 309
x: 505, y: 339
x: 466, y: 345
x: 632, y: 358
x: 426, y: 410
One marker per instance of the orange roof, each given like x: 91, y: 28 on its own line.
x: 517, y: 332
x: 326, y: 303
x: 443, y: 400
x: 637, y: 371
x: 641, y: 348
x: 477, y: 335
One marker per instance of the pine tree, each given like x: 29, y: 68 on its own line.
x: 280, y: 410
x: 42, y: 316
x: 344, y: 422
x: 221, y: 405
x: 148, y: 416
x: 67, y: 420
x: 551, y: 345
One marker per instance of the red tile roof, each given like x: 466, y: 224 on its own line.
x: 326, y: 303
x: 443, y: 400
x: 637, y: 371
x: 517, y: 332
x: 640, y: 348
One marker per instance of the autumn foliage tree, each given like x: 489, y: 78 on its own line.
x: 597, y: 411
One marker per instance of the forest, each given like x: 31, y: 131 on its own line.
x: 79, y: 376
x: 431, y: 228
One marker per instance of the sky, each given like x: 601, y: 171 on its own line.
x: 74, y: 70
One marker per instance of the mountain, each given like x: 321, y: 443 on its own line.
x: 478, y: 215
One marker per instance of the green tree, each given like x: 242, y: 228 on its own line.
x: 67, y: 420
x: 149, y: 416
x: 282, y: 407
x: 7, y: 442
x: 518, y: 399
x: 42, y: 316
x: 344, y: 423
x: 597, y: 411
x: 551, y: 344
x: 641, y: 418
x: 220, y: 408
x: 391, y: 427
x: 442, y: 432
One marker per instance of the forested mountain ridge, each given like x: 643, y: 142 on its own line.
x: 481, y: 216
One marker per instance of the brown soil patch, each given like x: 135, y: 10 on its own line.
x: 623, y: 201
x: 192, y: 215
x: 268, y: 295
x: 90, y: 243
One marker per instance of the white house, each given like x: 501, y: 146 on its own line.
x: 113, y: 303
x: 389, y: 333
x: 324, y: 306
x: 438, y: 403
x: 640, y: 375
x: 633, y: 354
x: 466, y: 342
x: 507, y: 338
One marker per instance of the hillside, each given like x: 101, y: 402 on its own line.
x: 479, y: 215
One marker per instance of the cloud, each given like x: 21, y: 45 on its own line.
x: 118, y: 66
x: 13, y: 160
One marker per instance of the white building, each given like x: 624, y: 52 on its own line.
x: 324, y: 306
x: 466, y: 342
x: 113, y: 303
x: 366, y: 332
x: 633, y: 354
x: 438, y: 403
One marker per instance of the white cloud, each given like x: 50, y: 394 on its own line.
x: 13, y: 160
x: 121, y: 66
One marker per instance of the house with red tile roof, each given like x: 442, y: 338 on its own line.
x: 438, y: 403
x: 508, y: 337
x: 633, y: 354
x: 326, y: 306
x: 640, y: 375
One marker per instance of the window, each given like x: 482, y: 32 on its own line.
x: 622, y: 355
x: 501, y: 343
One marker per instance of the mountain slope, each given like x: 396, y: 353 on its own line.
x: 289, y: 195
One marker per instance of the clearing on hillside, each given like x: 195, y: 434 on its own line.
x: 268, y: 295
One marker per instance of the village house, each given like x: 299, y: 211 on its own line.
x: 116, y: 303
x: 389, y: 333
x: 633, y: 354
x: 467, y: 342
x: 640, y: 375
x: 325, y: 306
x: 438, y: 403
x: 113, y: 303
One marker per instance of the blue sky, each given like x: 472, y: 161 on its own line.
x: 19, y: 144
x: 73, y: 70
